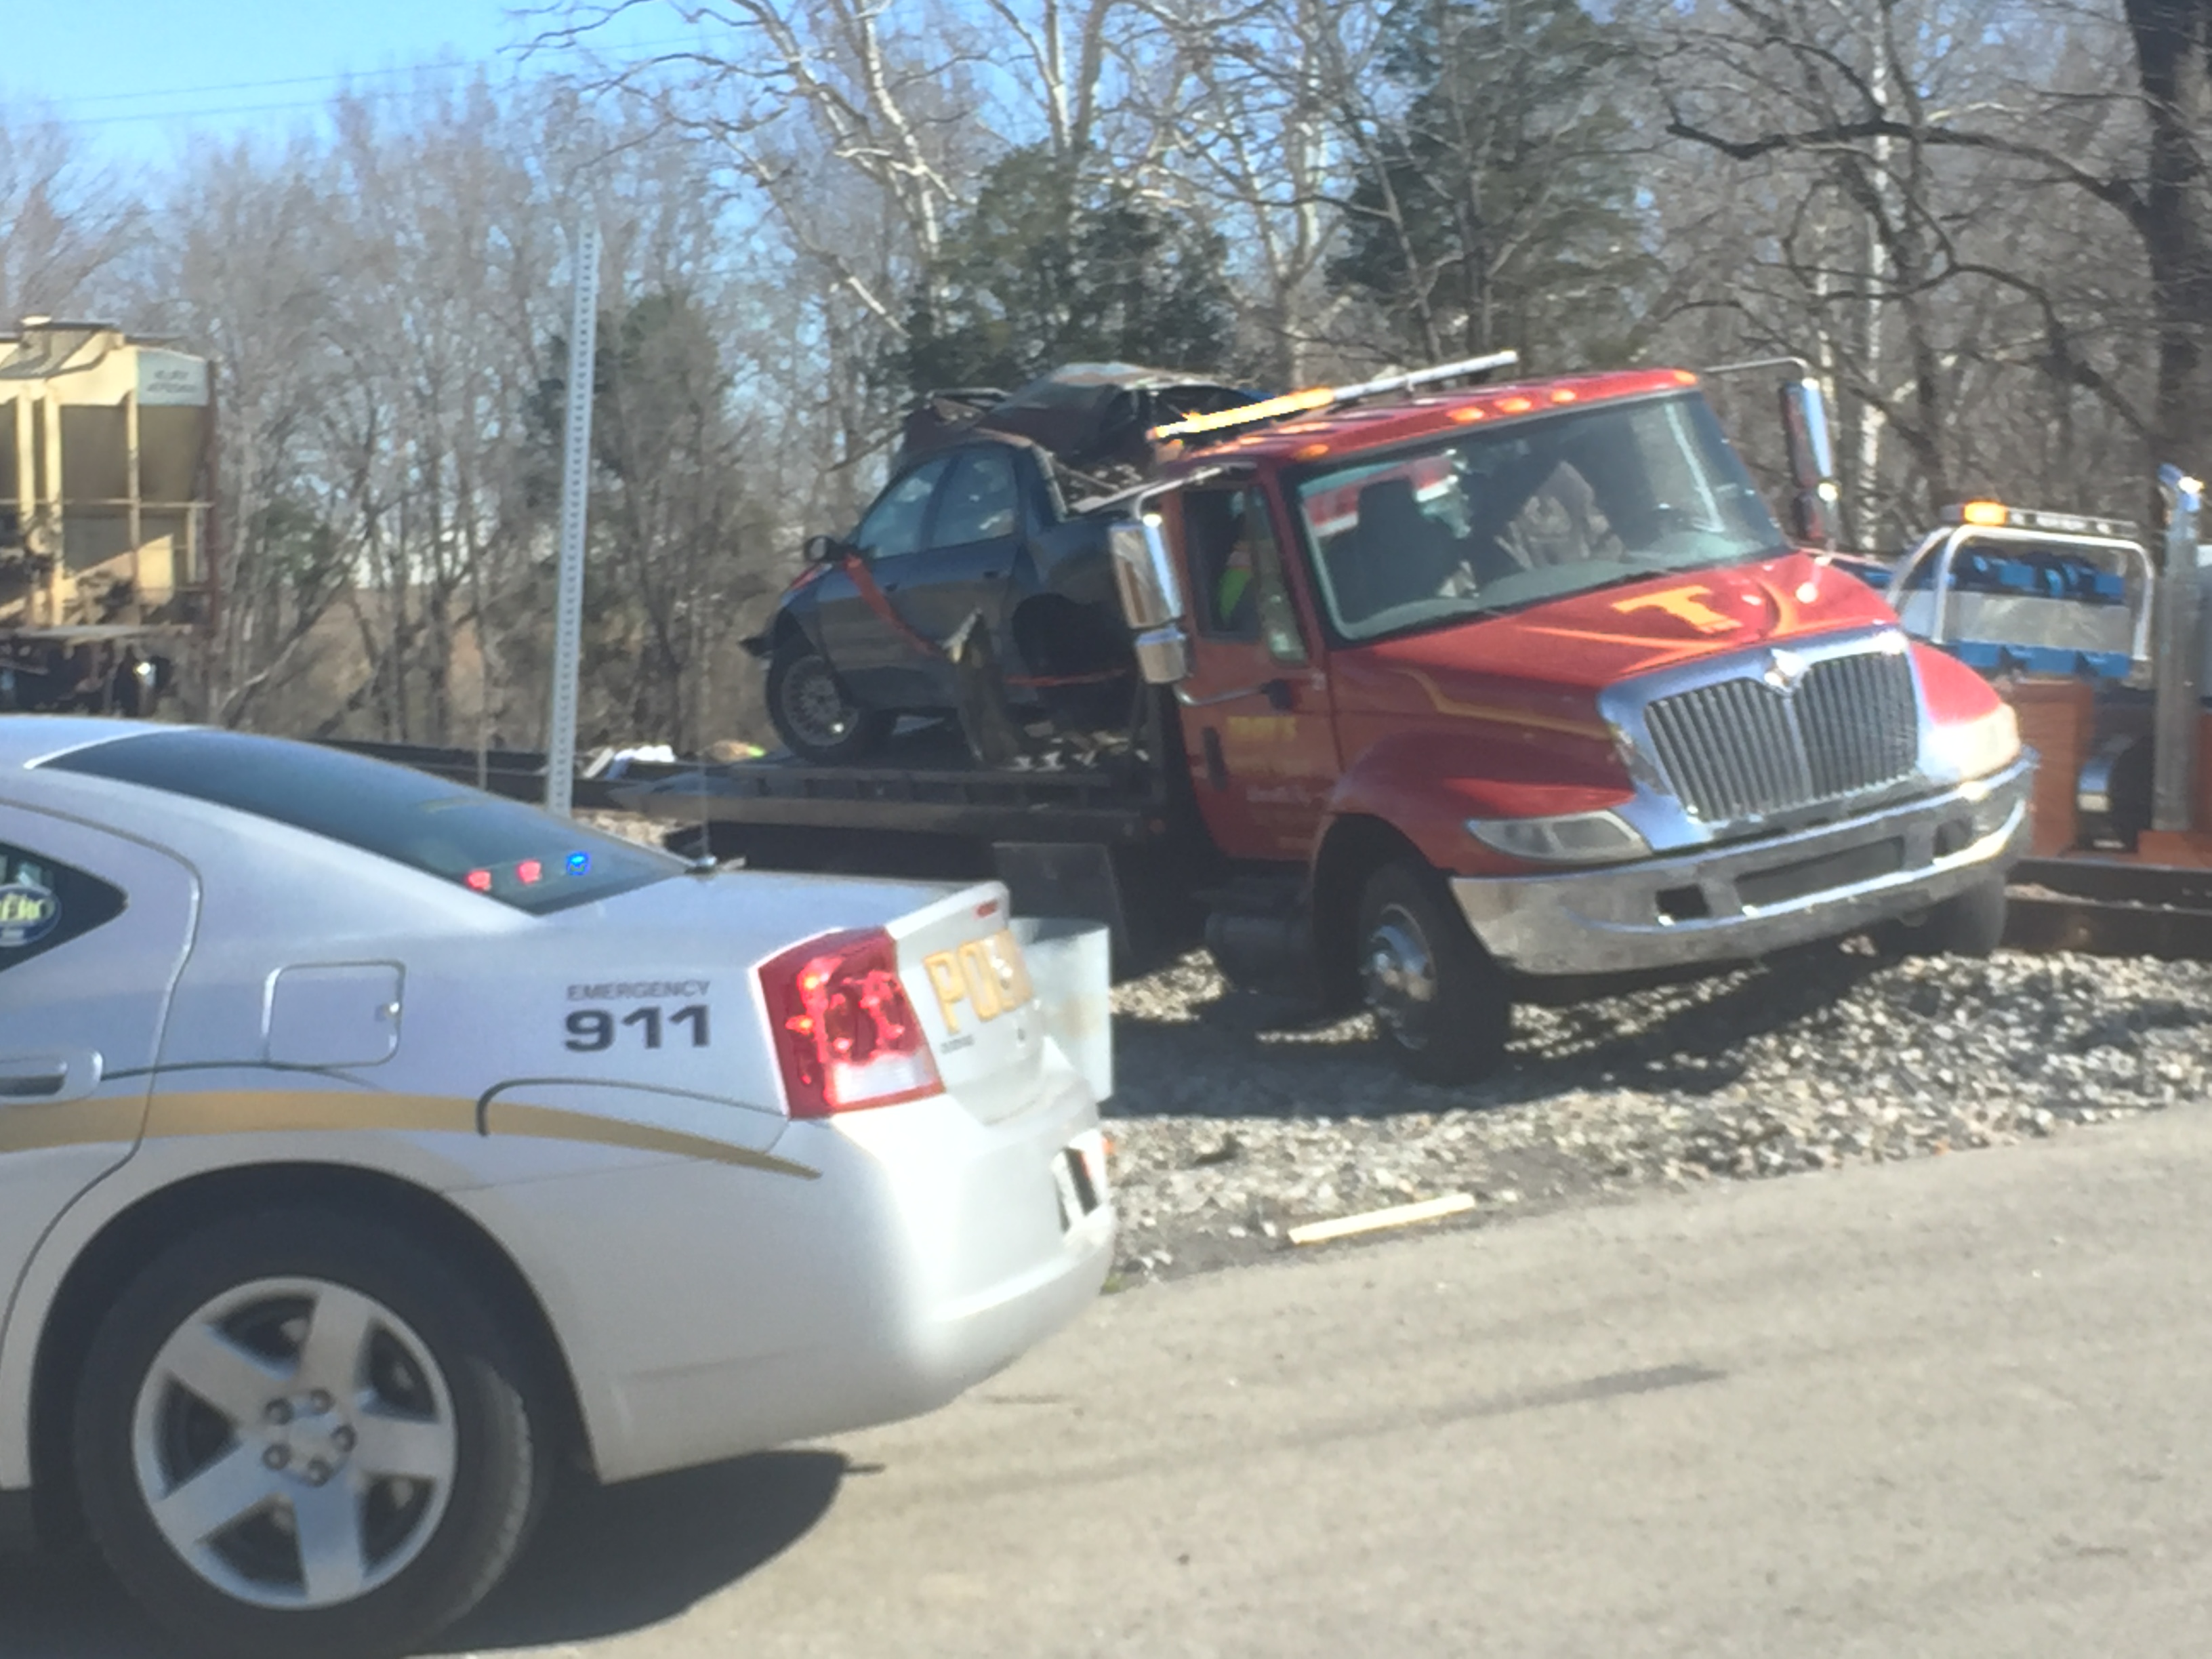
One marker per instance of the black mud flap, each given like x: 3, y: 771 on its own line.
x: 19, y: 1532
x: 1064, y: 879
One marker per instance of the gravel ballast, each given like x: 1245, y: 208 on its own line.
x: 1235, y: 1118
x: 1234, y: 1121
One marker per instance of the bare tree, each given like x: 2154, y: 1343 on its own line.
x: 1263, y: 110
x: 1881, y: 136
x: 64, y: 223
x: 1986, y: 219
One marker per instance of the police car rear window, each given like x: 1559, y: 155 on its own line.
x: 502, y: 848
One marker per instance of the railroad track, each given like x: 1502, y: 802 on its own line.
x: 2109, y: 909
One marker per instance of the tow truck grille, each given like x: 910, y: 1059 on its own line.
x: 1743, y: 748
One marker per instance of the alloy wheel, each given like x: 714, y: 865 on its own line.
x: 296, y: 1443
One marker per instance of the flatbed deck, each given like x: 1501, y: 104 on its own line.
x: 1120, y: 807
x: 782, y: 811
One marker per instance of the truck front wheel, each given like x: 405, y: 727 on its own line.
x: 1441, y: 1005
x: 1969, y: 924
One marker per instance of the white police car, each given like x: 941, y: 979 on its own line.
x: 368, y: 1142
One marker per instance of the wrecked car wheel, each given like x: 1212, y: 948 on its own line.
x: 814, y: 715
x: 1441, y: 1006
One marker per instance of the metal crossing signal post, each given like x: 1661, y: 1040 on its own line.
x: 575, y: 501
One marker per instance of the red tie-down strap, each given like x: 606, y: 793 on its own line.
x: 872, y: 595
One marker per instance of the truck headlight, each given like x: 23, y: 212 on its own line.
x: 1974, y: 748
x: 1570, y: 838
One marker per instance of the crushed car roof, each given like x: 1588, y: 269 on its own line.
x: 1091, y: 417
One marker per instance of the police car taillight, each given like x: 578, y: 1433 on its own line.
x: 846, y: 1034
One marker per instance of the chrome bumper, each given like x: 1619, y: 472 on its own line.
x: 1741, y: 901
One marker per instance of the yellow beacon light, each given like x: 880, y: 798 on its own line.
x: 1986, y: 513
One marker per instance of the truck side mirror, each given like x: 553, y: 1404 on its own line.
x: 1151, y: 598
x: 823, y: 549
x: 1811, y: 521
x: 1812, y: 463
x: 1144, y: 572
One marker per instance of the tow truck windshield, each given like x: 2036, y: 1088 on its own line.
x: 1494, y: 520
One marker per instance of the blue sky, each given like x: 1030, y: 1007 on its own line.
x: 131, y: 76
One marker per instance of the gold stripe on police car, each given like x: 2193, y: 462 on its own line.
x: 988, y: 975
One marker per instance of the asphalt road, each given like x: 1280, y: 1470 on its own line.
x: 1952, y: 1408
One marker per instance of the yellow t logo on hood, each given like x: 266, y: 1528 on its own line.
x: 1687, y: 605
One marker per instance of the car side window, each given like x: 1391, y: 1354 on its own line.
x: 44, y: 904
x: 894, y: 524
x: 980, y: 502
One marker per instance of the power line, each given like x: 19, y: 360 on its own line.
x: 209, y: 114
x: 293, y: 81
x: 337, y: 82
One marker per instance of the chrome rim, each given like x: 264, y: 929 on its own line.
x: 816, y: 704
x: 1401, y: 975
x: 295, y: 1442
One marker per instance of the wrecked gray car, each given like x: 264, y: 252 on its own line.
x: 984, y: 552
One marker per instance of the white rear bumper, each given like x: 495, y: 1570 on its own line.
x: 707, y: 1311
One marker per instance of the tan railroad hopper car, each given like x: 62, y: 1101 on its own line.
x: 105, y: 461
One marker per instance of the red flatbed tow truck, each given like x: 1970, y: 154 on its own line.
x: 1522, y: 690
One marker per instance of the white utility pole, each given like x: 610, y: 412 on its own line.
x: 575, y: 503
x: 1866, y: 510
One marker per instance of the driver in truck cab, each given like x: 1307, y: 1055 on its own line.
x: 1223, y: 534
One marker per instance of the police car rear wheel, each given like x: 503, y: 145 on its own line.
x: 300, y: 1433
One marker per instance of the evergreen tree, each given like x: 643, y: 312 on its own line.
x: 1055, y: 263
x: 1500, y: 207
